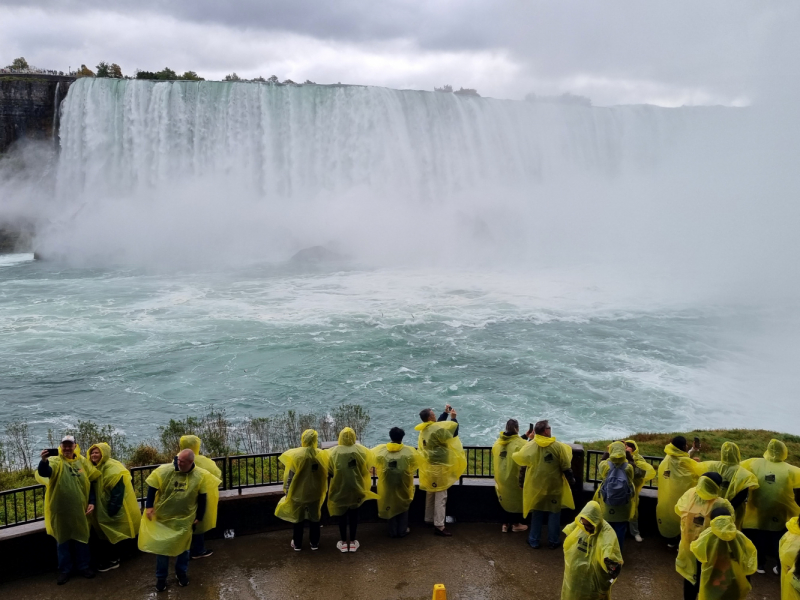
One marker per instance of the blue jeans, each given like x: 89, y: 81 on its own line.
x: 553, y: 527
x: 198, y: 544
x: 65, y: 556
x: 620, y: 529
x: 162, y: 565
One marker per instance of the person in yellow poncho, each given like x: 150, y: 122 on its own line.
x: 68, y: 500
x: 643, y: 472
x: 351, y: 485
x: 547, y: 474
x: 177, y: 500
x: 773, y: 502
x: 592, y: 558
x: 694, y: 511
x: 736, y: 480
x: 727, y: 557
x: 198, y: 549
x: 616, y: 492
x: 441, y: 463
x: 506, y: 476
x: 395, y: 465
x: 305, y: 483
x: 789, y: 551
x: 677, y: 473
x: 116, y: 516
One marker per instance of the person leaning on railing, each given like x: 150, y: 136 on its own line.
x: 395, y: 465
x: 506, y: 476
x: 68, y: 499
x: 198, y: 549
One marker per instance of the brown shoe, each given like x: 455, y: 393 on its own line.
x: 442, y: 532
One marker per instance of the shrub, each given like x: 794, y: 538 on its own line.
x: 146, y: 454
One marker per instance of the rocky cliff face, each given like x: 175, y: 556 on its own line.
x: 28, y: 106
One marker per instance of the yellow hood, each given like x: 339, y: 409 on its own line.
x: 707, y: 488
x: 724, y: 528
x: 776, y: 451
x: 635, y: 446
x: 347, y: 437
x: 671, y: 450
x: 543, y: 442
x: 191, y: 442
x: 730, y: 455
x: 394, y: 447
x: 309, y: 439
x: 592, y: 513
x: 504, y: 438
x: 105, y: 450
x: 75, y: 453
x: 616, y: 452
x: 424, y: 425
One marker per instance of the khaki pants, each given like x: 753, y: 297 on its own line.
x: 435, y: 508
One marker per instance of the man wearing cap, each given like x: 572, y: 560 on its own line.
x: 68, y: 499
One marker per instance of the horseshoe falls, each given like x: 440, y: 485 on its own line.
x: 259, y: 248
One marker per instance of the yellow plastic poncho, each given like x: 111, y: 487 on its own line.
x: 192, y: 442
x: 616, y: 514
x: 305, y: 481
x: 506, y: 471
x: 694, y: 510
x: 771, y: 504
x: 735, y: 478
x: 643, y: 472
x: 727, y: 557
x: 170, y: 531
x: 441, y: 456
x: 790, y: 546
x: 125, y: 523
x: 585, y: 572
x: 66, y: 496
x: 546, y: 487
x: 395, y: 465
x: 349, y: 464
x: 676, y: 474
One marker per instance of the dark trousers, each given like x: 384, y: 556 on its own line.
x: 691, y: 590
x: 398, y: 525
x: 198, y: 544
x: 766, y: 543
x: 313, y: 533
x: 348, y: 518
x: 82, y: 556
x: 181, y: 565
x: 511, y: 518
x: 103, y: 551
x: 620, y: 528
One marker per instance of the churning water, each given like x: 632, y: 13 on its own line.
x: 512, y: 259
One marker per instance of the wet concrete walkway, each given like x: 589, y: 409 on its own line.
x: 477, y: 563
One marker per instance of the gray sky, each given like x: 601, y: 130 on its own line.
x: 670, y: 53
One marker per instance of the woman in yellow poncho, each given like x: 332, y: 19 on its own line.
x: 773, y: 502
x: 736, y: 480
x: 616, y: 492
x: 395, y: 465
x: 790, y: 561
x: 506, y: 476
x: 198, y: 549
x: 116, y: 516
x: 305, y: 483
x: 676, y: 473
x: 643, y: 472
x: 592, y: 558
x: 68, y: 499
x: 351, y: 485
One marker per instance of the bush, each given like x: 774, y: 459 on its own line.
x: 146, y: 454
x: 88, y: 433
x: 213, y: 428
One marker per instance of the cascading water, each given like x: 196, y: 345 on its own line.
x: 56, y: 111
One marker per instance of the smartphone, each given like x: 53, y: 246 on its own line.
x: 52, y: 451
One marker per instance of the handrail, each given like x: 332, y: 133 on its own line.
x: 593, y: 460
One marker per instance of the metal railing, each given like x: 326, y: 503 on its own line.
x: 479, y: 462
x: 593, y: 458
x: 21, y: 505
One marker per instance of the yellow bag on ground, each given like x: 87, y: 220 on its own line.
x: 694, y: 511
x: 623, y: 512
x: 441, y: 456
x: 125, y: 523
x: 727, y: 557
x: 351, y: 483
x: 771, y: 504
x: 395, y: 465
x: 546, y: 487
x: 506, y: 471
x: 735, y: 478
x: 790, y: 546
x: 305, y: 481
x: 643, y: 472
x: 192, y: 442
x: 67, y: 496
x: 676, y: 474
x: 170, y: 531
x: 586, y: 575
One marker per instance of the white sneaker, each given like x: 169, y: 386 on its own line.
x: 637, y: 537
x: 760, y: 571
x: 296, y: 549
x: 775, y: 570
x: 342, y: 546
x: 354, y: 546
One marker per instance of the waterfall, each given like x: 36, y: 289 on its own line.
x: 54, y: 130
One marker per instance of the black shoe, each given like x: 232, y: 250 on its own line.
x: 183, y: 580
x: 443, y: 532
x: 88, y: 573
x: 203, y: 554
x: 555, y: 546
x: 62, y: 578
x: 108, y: 566
x: 161, y: 585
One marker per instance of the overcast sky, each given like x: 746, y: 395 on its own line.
x: 670, y: 53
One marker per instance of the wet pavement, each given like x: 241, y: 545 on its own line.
x: 477, y: 563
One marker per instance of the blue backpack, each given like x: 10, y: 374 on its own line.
x: 616, y: 489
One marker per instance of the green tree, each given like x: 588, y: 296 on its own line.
x: 273, y: 79
x: 191, y: 76
x: 84, y: 71
x: 19, y: 63
x: 167, y: 74
x: 445, y: 88
x: 232, y: 77
x: 103, y: 70
x: 115, y: 71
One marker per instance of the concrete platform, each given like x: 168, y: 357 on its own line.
x: 477, y: 563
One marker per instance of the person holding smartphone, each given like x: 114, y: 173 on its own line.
x: 68, y: 500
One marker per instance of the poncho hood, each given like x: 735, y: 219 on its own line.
x: 542, y: 441
x: 616, y: 452
x: 776, y: 451
x: 671, y: 450
x: 105, y: 451
x: 707, y: 488
x: 309, y: 439
x: 347, y: 437
x: 724, y: 528
x: 730, y: 454
x: 190, y: 442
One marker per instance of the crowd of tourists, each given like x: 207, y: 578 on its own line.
x: 728, y: 518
